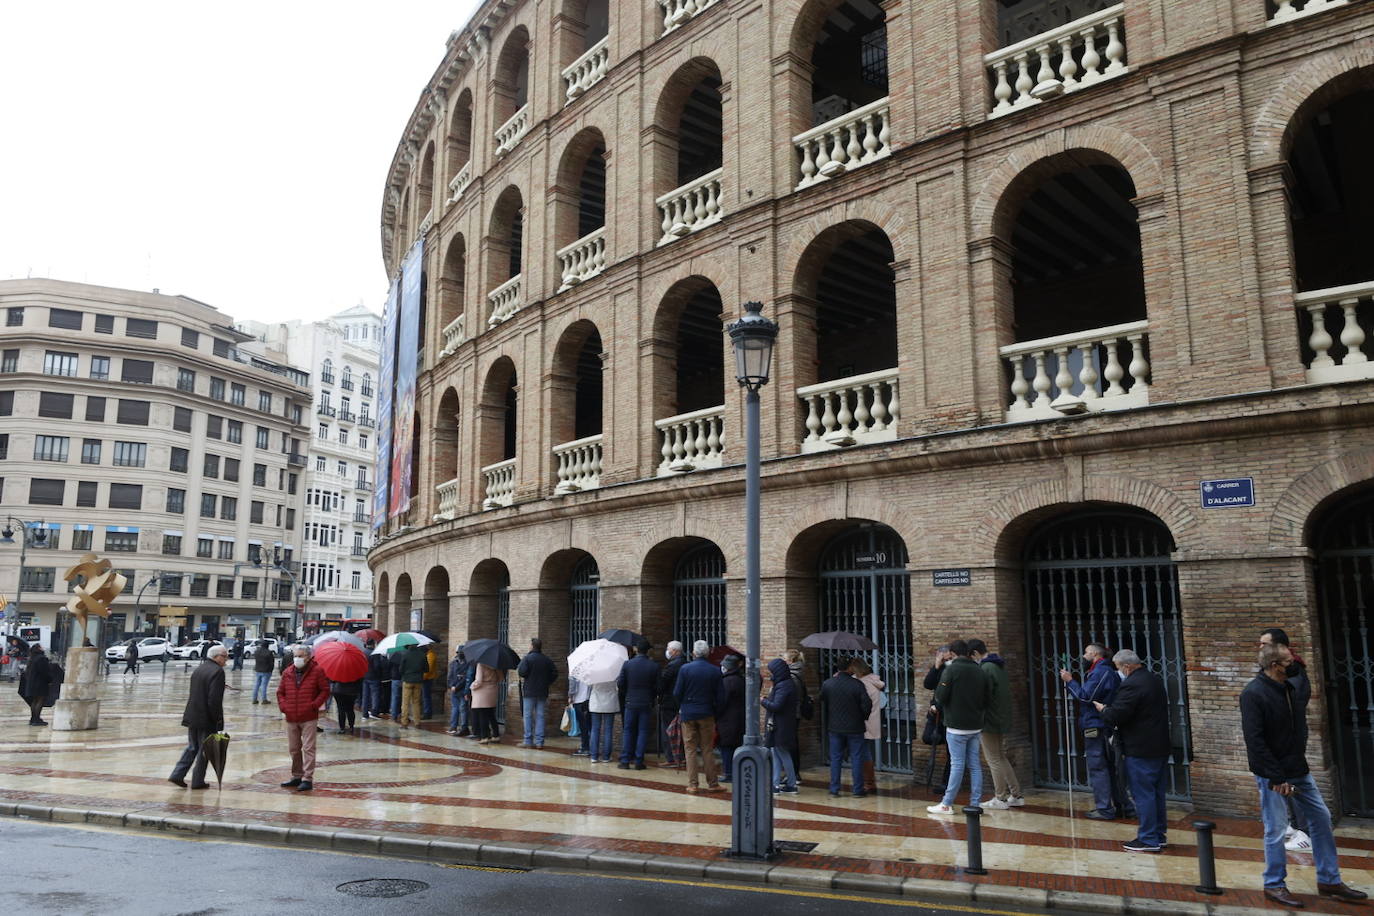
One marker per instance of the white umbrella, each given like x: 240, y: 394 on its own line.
x: 400, y: 641
x: 597, y: 661
x: 336, y: 636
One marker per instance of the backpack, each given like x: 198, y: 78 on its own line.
x: 805, y: 707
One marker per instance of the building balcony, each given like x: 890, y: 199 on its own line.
x: 1064, y: 59
x: 454, y: 336
x: 842, y: 144
x: 579, y: 465
x: 677, y: 12
x: 691, y: 441
x: 296, y: 460
x: 583, y: 259
x: 1102, y: 369
x: 324, y: 410
x: 358, y: 552
x: 327, y: 378
x: 588, y: 70
x: 367, y: 421
x: 500, y: 484
x: 510, y: 133
x: 1339, y: 345
x: 347, y: 416
x: 692, y: 207
x: 426, y: 224
x: 505, y: 301
x: 1288, y: 10
x: 361, y: 484
x: 460, y: 182
x: 365, y: 391
x: 346, y: 384
x: 857, y: 410
x: 360, y: 518
x: 448, y: 500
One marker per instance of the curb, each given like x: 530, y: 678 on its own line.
x: 519, y: 855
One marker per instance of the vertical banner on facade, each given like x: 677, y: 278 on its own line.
x: 385, y: 385
x: 403, y: 406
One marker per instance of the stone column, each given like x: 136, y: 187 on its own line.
x: 78, y: 706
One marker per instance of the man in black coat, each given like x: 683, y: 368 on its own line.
x: 730, y: 720
x: 34, y: 683
x: 846, y: 705
x: 538, y: 673
x: 1140, y: 714
x: 667, y: 703
x: 638, y: 688
x: 203, y: 717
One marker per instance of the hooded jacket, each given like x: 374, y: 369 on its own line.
x: 414, y: 665
x: 458, y: 674
x: 730, y: 717
x: 781, y: 704
x: 997, y: 718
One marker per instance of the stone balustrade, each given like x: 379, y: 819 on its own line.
x: 448, y: 500
x: 857, y: 410
x: 460, y: 182
x: 691, y: 207
x: 1344, y: 355
x: 426, y: 224
x: 509, y: 134
x: 1086, y: 51
x: 579, y: 465
x: 583, y: 259
x: 844, y: 143
x: 505, y: 301
x: 676, y: 12
x: 588, y: 70
x: 691, y: 441
x: 500, y: 483
x: 1102, y: 369
x: 454, y: 336
x: 1288, y: 10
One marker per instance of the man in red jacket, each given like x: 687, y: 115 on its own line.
x: 301, y: 693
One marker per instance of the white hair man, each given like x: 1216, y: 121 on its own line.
x: 301, y: 693
x: 204, y: 715
x: 1140, y: 714
x: 700, y: 693
x: 667, y: 705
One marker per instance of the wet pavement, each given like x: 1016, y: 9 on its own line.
x: 424, y: 783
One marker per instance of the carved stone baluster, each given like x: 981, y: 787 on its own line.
x: 813, y: 420
x: 699, y: 444
x: 667, y: 219
x: 1019, y: 386
x: 597, y: 455
x: 713, y: 438
x: 838, y: 157
x: 1285, y: 11
x: 1320, y: 341
x: 666, y: 450
x: 879, y: 408
x: 1088, y: 374
x: 1041, y: 383
x: 1024, y: 83
x: 884, y: 137
x: 855, y: 148
x: 845, y: 418
x: 713, y: 200
x: 1068, y: 67
x: 862, y: 417
x: 1352, y: 335
x: 1116, y: 51
x: 870, y: 131
x: 894, y: 410
x: 1091, y: 59
x: 680, y: 434
x: 1046, y: 83
x: 808, y: 164
x: 828, y: 417
x: 1140, y: 366
x: 1063, y: 379
x: 1002, y: 91
x: 1113, y: 372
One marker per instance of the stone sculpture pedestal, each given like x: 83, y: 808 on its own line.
x: 78, y: 706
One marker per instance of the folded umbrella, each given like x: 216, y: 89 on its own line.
x: 718, y: 654
x: 397, y: 641
x: 216, y: 750
x: 336, y: 636
x: 341, y: 661
x: 597, y: 661
x: 840, y: 641
x: 370, y: 635
x: 624, y: 637
x: 490, y: 652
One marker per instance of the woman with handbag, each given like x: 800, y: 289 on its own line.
x: 485, y: 694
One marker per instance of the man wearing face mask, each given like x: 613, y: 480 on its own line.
x: 301, y: 693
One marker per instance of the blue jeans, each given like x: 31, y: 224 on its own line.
x: 534, y: 710
x: 260, y: 682
x: 838, y: 745
x: 727, y: 762
x: 636, y: 735
x: 782, y: 763
x: 1274, y: 813
x: 963, y: 754
x: 395, y: 700
x: 372, y: 698
x: 458, y: 715
x: 603, y: 726
x: 1146, y: 778
x: 1101, y: 771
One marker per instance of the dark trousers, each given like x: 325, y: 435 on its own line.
x: 427, y: 699
x: 839, y: 745
x: 345, y: 705
x: 484, y: 721
x: 727, y: 761
x: 194, y: 751
x: 671, y: 750
x: 1146, y: 776
x: 635, y: 736
x: 584, y: 724
x: 35, y: 708
x: 1101, y: 772
x: 372, y: 698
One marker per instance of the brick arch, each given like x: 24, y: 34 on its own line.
x: 1288, y: 523
x: 645, y: 547
x: 887, y: 216
x: 793, y: 549
x: 1127, y: 150
x: 1000, y: 532
x: 1311, y: 86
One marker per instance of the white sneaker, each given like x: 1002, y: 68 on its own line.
x: 940, y: 809
x: 1298, y: 842
x: 994, y: 803
x: 1016, y: 801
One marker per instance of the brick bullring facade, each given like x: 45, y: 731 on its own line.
x: 1041, y: 270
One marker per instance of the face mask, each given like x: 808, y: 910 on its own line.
x: 298, y: 662
x: 1121, y: 674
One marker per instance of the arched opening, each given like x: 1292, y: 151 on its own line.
x: 403, y: 238
x: 498, y: 433
x: 849, y: 391
x: 446, y: 452
x: 415, y: 463
x: 1018, y: 20
x: 381, y: 603
x: 402, y: 605
x: 450, y: 299
x: 575, y: 382
x: 864, y: 588
x: 1331, y: 202
x: 689, y: 376
x: 569, y: 601
x: 1343, y: 538
x: 580, y: 208
x: 489, y: 612
x: 435, y: 611
x: 1101, y: 575
x: 459, y: 146
x: 699, y: 600
x: 510, y: 90
x: 505, y: 235
x: 582, y: 30
x: 689, y: 156
x: 1076, y: 269
x: 424, y: 188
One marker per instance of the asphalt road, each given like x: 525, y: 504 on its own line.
x: 77, y: 871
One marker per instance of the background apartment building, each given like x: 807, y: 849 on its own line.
x: 146, y: 428
x: 341, y: 353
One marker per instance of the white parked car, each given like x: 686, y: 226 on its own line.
x: 195, y: 649
x: 252, y: 646
x: 148, y: 647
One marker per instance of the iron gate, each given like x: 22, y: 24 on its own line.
x: 503, y: 635
x: 865, y: 589
x: 699, y: 596
x: 1345, y: 584
x: 1106, y: 578
x: 585, y: 621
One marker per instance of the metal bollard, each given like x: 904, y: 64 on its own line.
x: 1206, y: 860
x: 975, y: 841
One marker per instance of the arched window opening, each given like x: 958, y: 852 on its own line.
x: 591, y: 193
x: 689, y: 379
x: 849, y: 60
x: 460, y: 147
x: 580, y: 209
x: 499, y: 434
x: 415, y: 463
x: 588, y: 397
x: 510, y: 91
x: 424, y: 188
x: 446, y: 454
x: 699, y: 596
x: 691, y: 151
x: 700, y: 131
x: 585, y: 591
x: 583, y: 41
x: 504, y: 266
x: 577, y: 381
x: 450, y: 299
x: 700, y: 376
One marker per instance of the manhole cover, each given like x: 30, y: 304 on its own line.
x: 382, y: 887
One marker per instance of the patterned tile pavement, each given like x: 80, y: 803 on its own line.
x: 422, y: 782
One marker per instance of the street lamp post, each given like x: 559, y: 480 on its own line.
x: 751, y: 835
x: 7, y: 537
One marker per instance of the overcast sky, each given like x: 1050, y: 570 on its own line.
x: 233, y: 152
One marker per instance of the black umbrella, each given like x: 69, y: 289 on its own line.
x: 216, y: 750
x: 626, y: 638
x: 428, y: 634
x: 490, y: 652
x: 841, y: 641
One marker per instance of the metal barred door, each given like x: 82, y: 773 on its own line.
x: 699, y: 596
x: 585, y: 621
x: 1107, y: 578
x: 503, y: 634
x: 1345, y: 588
x: 865, y: 589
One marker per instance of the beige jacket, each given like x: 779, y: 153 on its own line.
x: 873, y: 728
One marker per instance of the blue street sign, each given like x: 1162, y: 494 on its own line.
x: 1229, y: 493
